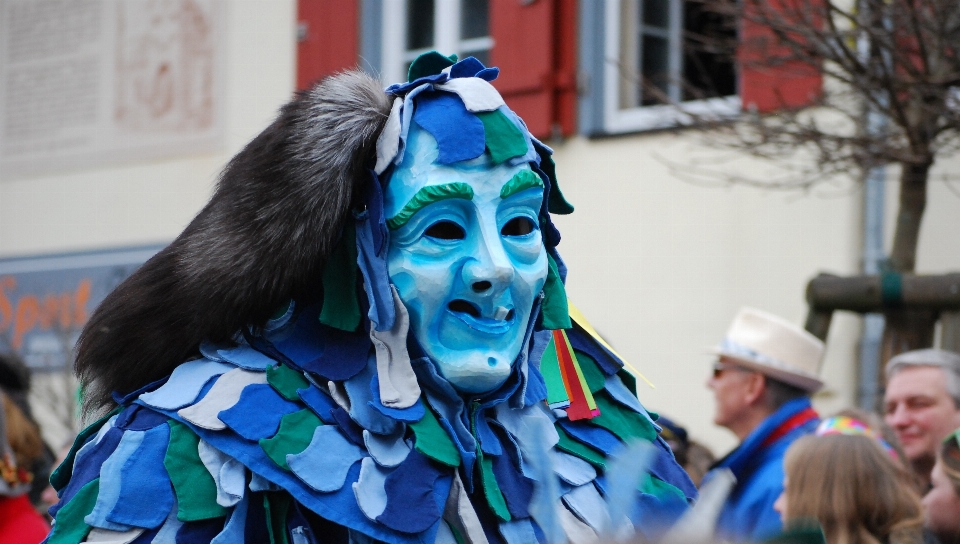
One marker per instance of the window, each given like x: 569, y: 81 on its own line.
x: 533, y: 42
x: 448, y: 26
x: 650, y: 55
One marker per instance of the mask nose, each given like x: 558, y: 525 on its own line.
x: 490, y: 271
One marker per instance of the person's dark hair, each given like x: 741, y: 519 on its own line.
x: 779, y: 393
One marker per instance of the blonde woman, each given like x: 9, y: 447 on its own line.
x: 847, y: 479
x: 942, y: 502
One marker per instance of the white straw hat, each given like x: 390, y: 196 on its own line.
x: 774, y: 347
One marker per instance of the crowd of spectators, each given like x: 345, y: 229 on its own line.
x: 856, y: 477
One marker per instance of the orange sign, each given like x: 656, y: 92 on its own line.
x: 21, y: 313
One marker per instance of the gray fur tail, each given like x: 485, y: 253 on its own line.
x: 262, y: 239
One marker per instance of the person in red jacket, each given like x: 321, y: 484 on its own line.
x: 20, y: 444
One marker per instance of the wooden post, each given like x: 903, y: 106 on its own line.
x: 818, y: 323
x: 865, y: 294
x: 950, y: 330
x: 910, y: 303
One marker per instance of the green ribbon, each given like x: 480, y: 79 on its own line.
x: 891, y: 289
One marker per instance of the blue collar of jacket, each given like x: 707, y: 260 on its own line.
x: 746, y: 453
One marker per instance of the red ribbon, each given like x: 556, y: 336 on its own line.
x: 797, y: 420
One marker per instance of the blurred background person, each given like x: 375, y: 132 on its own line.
x: 942, y: 503
x: 20, y: 447
x: 848, y: 478
x: 15, y: 384
x: 694, y: 457
x: 876, y: 423
x: 922, y: 404
x: 767, y: 368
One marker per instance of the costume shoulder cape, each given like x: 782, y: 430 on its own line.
x: 283, y: 436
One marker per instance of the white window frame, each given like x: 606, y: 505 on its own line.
x: 446, y: 24
x: 617, y: 120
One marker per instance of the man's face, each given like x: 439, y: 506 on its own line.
x: 919, y: 409
x: 469, y: 260
x: 730, y: 384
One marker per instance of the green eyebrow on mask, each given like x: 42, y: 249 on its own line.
x: 523, y: 180
x: 426, y: 196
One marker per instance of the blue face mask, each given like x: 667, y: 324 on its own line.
x: 467, y: 258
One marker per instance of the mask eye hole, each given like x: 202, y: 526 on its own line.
x: 445, y: 230
x: 518, y: 226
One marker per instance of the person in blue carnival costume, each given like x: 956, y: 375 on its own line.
x: 435, y: 390
x: 767, y: 368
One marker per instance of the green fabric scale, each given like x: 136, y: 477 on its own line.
x: 194, y: 487
x: 578, y: 449
x: 630, y: 381
x: 286, y: 381
x: 428, y: 64
x: 491, y: 489
x: 596, y: 379
x: 295, y: 433
x: 432, y: 441
x: 61, y: 476
x: 341, y: 310
x: 70, y: 528
x: 504, y: 139
x: 556, y: 203
x: 456, y: 534
x: 553, y: 311
x: 652, y: 485
x: 626, y: 424
x: 276, y: 506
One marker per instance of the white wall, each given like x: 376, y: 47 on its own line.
x: 153, y: 202
x: 150, y: 202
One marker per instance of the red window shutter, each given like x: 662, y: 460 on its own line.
x: 328, y: 38
x: 535, y: 47
x: 771, y: 77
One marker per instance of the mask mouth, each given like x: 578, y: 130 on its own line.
x: 473, y: 317
x: 500, y: 313
x: 460, y: 306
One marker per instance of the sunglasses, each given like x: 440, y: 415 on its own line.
x: 719, y: 367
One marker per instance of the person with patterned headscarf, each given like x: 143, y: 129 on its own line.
x: 364, y: 337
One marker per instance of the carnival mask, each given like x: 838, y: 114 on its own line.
x: 467, y: 258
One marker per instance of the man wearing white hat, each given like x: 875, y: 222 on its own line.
x: 922, y: 404
x: 766, y: 370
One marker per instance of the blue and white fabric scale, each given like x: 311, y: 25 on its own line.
x: 265, y: 428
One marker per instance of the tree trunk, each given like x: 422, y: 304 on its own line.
x: 913, y: 200
x: 907, y: 330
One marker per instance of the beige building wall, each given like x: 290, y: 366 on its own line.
x: 153, y: 201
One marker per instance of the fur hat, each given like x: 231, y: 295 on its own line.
x: 262, y: 240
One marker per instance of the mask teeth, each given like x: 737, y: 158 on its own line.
x: 501, y: 313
